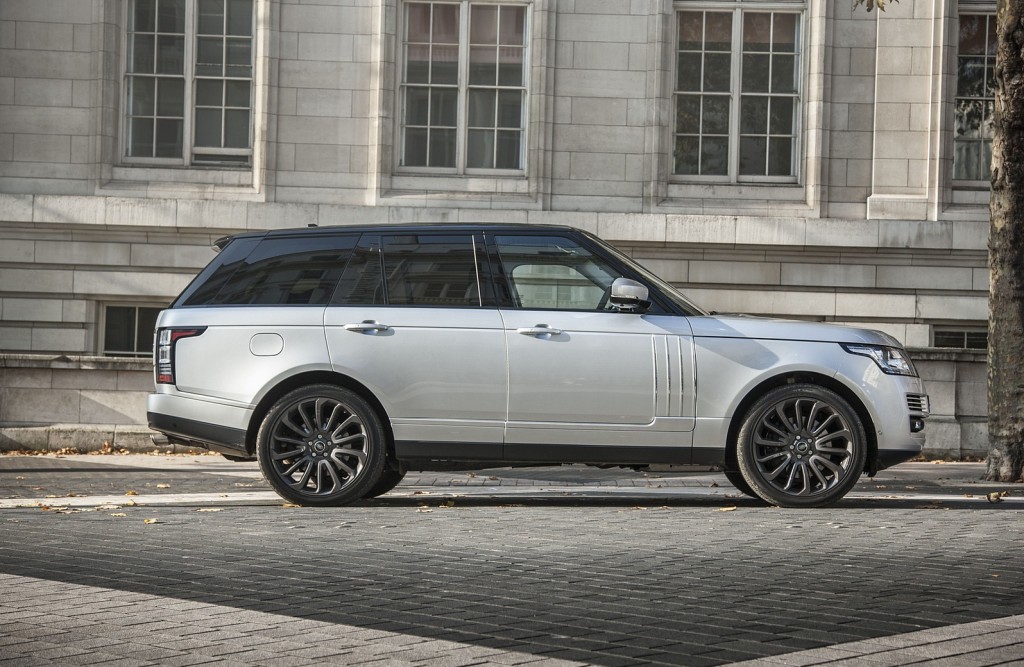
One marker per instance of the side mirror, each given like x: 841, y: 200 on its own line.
x: 629, y: 296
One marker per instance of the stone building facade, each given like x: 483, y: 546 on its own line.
x: 785, y: 158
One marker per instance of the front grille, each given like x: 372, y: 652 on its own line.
x: 918, y: 403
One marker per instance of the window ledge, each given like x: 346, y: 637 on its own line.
x: 485, y: 187
x: 235, y: 177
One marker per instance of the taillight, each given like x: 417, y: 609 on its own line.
x: 166, y: 339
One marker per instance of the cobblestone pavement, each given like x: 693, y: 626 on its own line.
x: 537, y: 567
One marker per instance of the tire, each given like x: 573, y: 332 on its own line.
x: 801, y: 445
x: 736, y: 479
x: 321, y: 445
x: 389, y: 479
x: 236, y: 459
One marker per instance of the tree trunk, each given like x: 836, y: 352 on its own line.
x: 1006, y: 253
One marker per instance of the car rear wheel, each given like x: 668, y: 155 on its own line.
x: 389, y: 479
x: 736, y: 479
x: 801, y: 445
x: 321, y: 445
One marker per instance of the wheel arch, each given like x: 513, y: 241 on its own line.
x: 798, y: 377
x: 316, y: 377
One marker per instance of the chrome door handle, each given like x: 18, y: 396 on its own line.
x: 539, y: 330
x: 365, y: 326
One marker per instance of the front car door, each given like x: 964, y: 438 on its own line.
x: 583, y: 375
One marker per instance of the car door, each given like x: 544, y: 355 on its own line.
x: 414, y: 322
x: 581, y: 373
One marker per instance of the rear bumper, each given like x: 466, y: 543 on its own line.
x: 215, y: 426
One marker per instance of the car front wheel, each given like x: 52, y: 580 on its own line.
x: 801, y: 445
x: 321, y: 445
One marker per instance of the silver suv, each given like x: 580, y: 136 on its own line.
x: 343, y: 357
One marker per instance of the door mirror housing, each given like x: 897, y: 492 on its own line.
x: 629, y: 296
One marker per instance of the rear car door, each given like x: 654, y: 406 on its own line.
x: 414, y: 320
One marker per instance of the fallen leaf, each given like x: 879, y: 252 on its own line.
x: 151, y: 521
x: 424, y: 509
x: 421, y: 493
x: 19, y: 477
x: 72, y: 494
x: 119, y: 514
x: 290, y: 505
x: 995, y: 497
x: 637, y: 507
x: 210, y: 509
x: 730, y: 508
x: 163, y: 486
x: 448, y: 503
x: 131, y: 493
x: 108, y: 507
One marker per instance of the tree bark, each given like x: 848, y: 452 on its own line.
x: 1006, y: 253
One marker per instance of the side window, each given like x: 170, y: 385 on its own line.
x: 431, y: 271
x: 284, y: 271
x: 363, y: 281
x: 555, y: 272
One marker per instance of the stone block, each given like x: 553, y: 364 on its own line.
x: 82, y: 437
x: 42, y: 92
x: 138, y: 212
x: 832, y: 232
x: 751, y: 273
x: 217, y: 214
x: 50, y: 36
x: 599, y: 111
x: 42, y: 148
x: 322, y: 130
x: 934, y: 234
x: 39, y: 406
x: 69, y: 209
x: 631, y: 227
x: 672, y: 270
x: 330, y: 214
x: 134, y: 381
x: 15, y: 438
x: 27, y: 378
x: 925, y: 277
x: 329, y: 47
x: 701, y: 229
x: 82, y: 253
x: 58, y: 341
x: 75, y: 310
x: 585, y: 220
x: 598, y: 166
x: 32, y: 310
x: 964, y: 308
x: 601, y: 55
x: 171, y: 256
x: 828, y: 275
x: 800, y: 304
x: 772, y: 231
x: 15, y: 208
x: 113, y: 407
x: 321, y: 102
x: 76, y: 378
x: 15, y: 339
x: 942, y: 397
x: 322, y: 158
x: 602, y: 28
x: 599, y: 139
x: 14, y: 250
x: 971, y: 398
x: 274, y: 215
x: 36, y: 280
x: 135, y: 438
x: 601, y: 83
x: 973, y: 438
x: 875, y: 306
x: 159, y: 286
x: 55, y: 11
x: 942, y: 438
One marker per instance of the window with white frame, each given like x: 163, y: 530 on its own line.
x: 189, y: 82
x: 463, y: 87
x: 737, y: 95
x: 974, y: 107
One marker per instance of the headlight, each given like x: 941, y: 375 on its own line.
x: 891, y: 360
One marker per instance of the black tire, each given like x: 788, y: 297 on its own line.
x: 801, y: 445
x: 736, y: 479
x: 321, y: 445
x: 389, y: 479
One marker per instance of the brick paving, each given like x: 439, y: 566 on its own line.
x: 699, y: 578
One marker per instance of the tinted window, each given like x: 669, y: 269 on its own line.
x: 555, y: 272
x: 431, y: 270
x: 286, y: 271
x: 363, y: 281
x: 210, y: 281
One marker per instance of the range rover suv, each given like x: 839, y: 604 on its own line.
x: 343, y: 357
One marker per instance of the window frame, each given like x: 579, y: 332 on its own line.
x: 460, y: 170
x: 139, y: 335
x: 738, y: 7
x: 985, y: 11
x: 189, y: 76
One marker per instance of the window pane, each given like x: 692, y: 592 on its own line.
x: 237, y: 94
x: 510, y: 108
x: 716, y: 72
x: 757, y: 31
x: 507, y: 152
x: 691, y: 30
x: 482, y: 66
x: 239, y: 61
x: 170, y: 54
x: 482, y: 107
x: 211, y: 17
x: 715, y: 119
x: 781, y: 116
x: 718, y: 31
x: 754, y: 114
x: 236, y: 128
x: 119, y: 329
x: 417, y: 64
x: 417, y: 105
x: 431, y: 271
x: 784, y: 37
x: 714, y: 156
x: 968, y: 118
x: 171, y: 16
x: 753, y: 153
x: 145, y: 15
x: 442, y: 148
x: 363, y: 280
x: 208, y: 128
x: 209, y: 56
x: 688, y: 72
x: 209, y: 93
x: 170, y: 100
x: 444, y: 65
x: 977, y: 340
x: 417, y: 22
x: 240, y: 17
x: 513, y: 25
x: 755, y: 73
x: 480, y: 149
x: 972, y: 34
x: 688, y: 114
x: 970, y: 77
x: 415, y: 154
x: 168, y: 138
x: 687, y: 151
x: 483, y: 24
x: 780, y: 156
x: 967, y: 160
x: 510, y: 66
x: 446, y: 24
x: 140, y: 140
x: 784, y: 74
x: 141, y: 95
x: 142, y: 54
x: 444, y: 103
